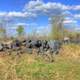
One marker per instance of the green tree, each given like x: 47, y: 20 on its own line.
x: 20, y: 30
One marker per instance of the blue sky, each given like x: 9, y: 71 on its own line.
x: 17, y: 5
x: 35, y: 14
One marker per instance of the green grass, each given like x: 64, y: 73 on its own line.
x: 32, y: 67
x: 61, y: 70
x: 24, y: 69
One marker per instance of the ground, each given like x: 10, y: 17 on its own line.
x: 66, y: 66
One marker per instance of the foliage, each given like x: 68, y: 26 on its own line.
x: 3, y: 32
x: 20, y: 30
x: 72, y: 35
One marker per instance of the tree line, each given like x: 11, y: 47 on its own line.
x: 58, y: 32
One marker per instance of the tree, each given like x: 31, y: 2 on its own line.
x: 3, y: 33
x: 57, y: 31
x: 20, y: 30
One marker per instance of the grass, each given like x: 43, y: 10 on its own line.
x: 32, y: 67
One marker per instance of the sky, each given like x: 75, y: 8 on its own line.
x: 35, y: 15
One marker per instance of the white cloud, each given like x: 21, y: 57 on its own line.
x: 67, y: 13
x: 26, y: 24
x: 69, y: 20
x: 73, y: 7
x: 3, y: 14
x: 38, y: 6
x: 34, y: 8
x: 77, y: 7
x: 77, y: 16
x: 21, y: 24
x: 12, y: 14
x: 17, y: 14
x: 12, y: 28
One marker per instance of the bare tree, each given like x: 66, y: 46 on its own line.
x: 2, y: 29
x: 57, y: 31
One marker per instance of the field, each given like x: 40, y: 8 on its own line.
x: 66, y: 66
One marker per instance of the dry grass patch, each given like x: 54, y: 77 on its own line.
x: 70, y: 51
x: 33, y: 67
